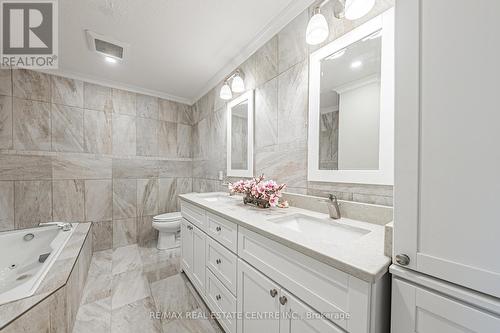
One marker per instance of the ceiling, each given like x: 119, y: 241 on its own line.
x: 179, y: 49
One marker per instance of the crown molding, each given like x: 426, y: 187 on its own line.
x: 291, y: 11
x: 116, y: 85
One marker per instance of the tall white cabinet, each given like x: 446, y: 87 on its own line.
x: 447, y: 160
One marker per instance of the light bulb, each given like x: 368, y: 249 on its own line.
x: 225, y: 92
x: 238, y: 85
x: 111, y: 60
x: 355, y: 9
x: 317, y: 29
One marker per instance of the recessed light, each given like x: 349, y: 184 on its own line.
x: 111, y: 60
x: 356, y: 64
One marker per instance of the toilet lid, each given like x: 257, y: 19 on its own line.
x: 167, y: 217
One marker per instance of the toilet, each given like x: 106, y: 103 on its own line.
x: 168, y: 226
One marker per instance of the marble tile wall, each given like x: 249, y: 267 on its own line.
x: 76, y: 151
x: 278, y: 72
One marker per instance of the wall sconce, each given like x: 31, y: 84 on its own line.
x: 317, y: 28
x: 237, y: 85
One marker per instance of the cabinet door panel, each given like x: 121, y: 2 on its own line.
x: 437, y: 210
x: 297, y: 317
x: 186, y: 247
x: 415, y: 309
x: 198, y: 268
x: 254, y: 298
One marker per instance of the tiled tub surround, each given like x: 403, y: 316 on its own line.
x: 279, y: 73
x: 80, y: 152
x: 54, y: 305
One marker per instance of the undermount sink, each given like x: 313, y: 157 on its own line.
x: 326, y: 230
x: 213, y: 197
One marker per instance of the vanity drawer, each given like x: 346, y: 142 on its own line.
x: 223, y: 231
x: 222, y: 302
x: 194, y: 214
x: 321, y: 286
x: 222, y: 263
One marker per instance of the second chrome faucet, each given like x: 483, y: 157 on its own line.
x: 333, y: 207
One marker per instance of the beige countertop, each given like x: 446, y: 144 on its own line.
x: 363, y: 257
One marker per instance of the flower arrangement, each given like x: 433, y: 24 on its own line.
x: 262, y: 193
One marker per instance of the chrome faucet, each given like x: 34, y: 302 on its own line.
x: 225, y: 182
x: 333, y: 207
x: 61, y: 225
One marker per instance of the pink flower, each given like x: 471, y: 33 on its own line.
x: 273, y: 200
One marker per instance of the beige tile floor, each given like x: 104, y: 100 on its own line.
x: 126, y: 286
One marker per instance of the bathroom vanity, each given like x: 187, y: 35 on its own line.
x: 249, y: 263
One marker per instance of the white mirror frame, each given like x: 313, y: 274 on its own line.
x: 385, y: 174
x: 249, y: 95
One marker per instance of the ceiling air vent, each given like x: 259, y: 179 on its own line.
x: 106, y: 46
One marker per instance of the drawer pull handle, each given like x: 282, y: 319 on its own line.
x: 218, y: 228
x: 283, y: 300
x: 218, y: 261
x: 218, y: 297
x: 273, y: 293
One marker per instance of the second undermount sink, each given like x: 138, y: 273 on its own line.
x: 325, y: 230
x: 214, y: 197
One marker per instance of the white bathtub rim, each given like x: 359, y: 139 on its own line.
x: 18, y: 292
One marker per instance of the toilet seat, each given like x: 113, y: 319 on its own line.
x: 168, y: 217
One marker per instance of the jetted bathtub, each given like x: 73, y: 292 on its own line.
x: 25, y: 258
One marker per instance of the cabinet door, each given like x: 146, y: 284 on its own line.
x: 447, y: 176
x: 257, y: 295
x: 415, y: 309
x: 297, y: 317
x: 187, y: 246
x: 198, y: 268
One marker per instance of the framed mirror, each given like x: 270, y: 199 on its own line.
x: 351, y: 106
x: 240, y: 113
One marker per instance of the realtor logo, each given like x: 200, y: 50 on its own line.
x: 29, y: 34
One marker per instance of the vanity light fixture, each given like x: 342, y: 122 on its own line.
x: 237, y: 85
x: 355, y: 9
x: 225, y: 92
x: 317, y: 28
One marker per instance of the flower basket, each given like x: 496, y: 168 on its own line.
x: 248, y: 199
x: 263, y: 194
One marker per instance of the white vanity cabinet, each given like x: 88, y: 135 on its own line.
x: 257, y: 295
x: 198, y: 267
x: 187, y: 247
x: 282, y: 311
x: 260, y: 285
x: 193, y: 246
